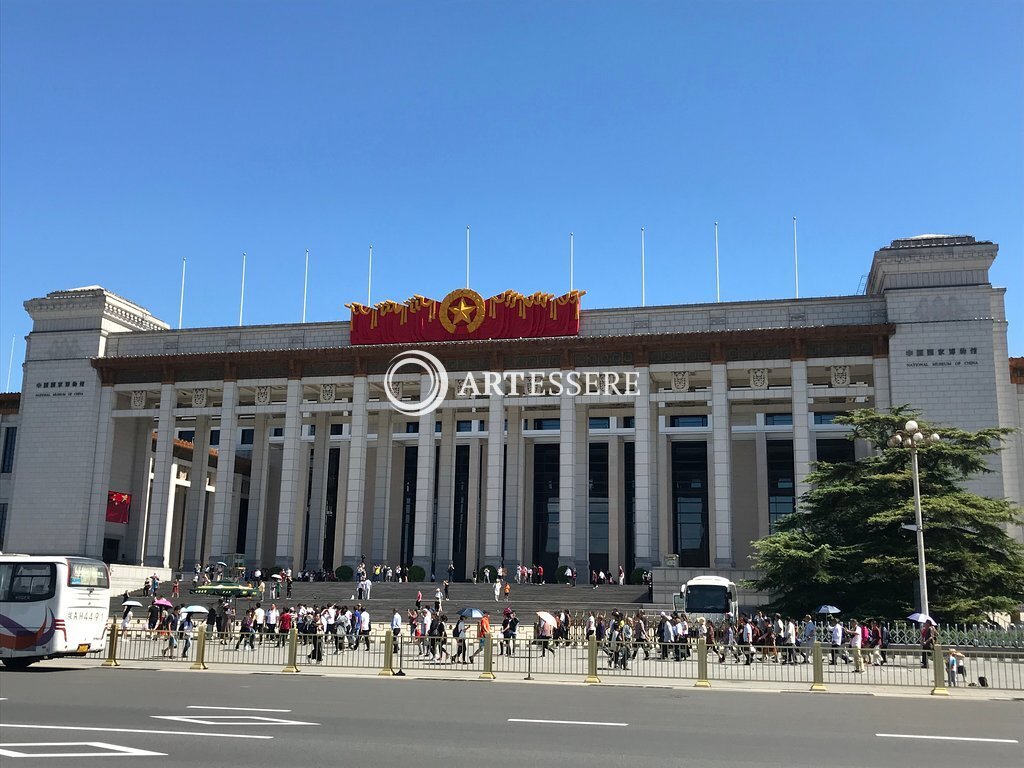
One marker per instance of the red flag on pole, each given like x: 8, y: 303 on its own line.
x: 118, y: 505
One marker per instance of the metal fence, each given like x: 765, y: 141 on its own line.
x: 816, y: 667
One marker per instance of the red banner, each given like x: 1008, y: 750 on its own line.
x: 464, y: 314
x: 118, y: 505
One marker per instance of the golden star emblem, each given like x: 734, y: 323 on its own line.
x: 460, y: 313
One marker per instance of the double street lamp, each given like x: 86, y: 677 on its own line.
x: 910, y: 437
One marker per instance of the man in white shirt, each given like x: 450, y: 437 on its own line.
x: 364, y: 627
x: 836, y: 635
x: 396, y: 628
x: 259, y: 621
x: 271, y: 619
x: 855, y: 643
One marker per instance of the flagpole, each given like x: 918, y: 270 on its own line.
x: 181, y: 303
x: 10, y: 364
x: 571, y: 261
x: 718, y: 284
x: 369, y: 278
x: 643, y: 271
x: 796, y: 263
x: 467, y: 257
x: 305, y: 283
x: 241, y: 301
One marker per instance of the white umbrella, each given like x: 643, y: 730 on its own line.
x: 276, y: 577
x: 133, y: 603
x: 195, y: 609
x: 547, y: 618
x: 921, y: 618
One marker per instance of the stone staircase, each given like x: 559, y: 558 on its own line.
x: 526, y: 599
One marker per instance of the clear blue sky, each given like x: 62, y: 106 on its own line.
x: 132, y: 134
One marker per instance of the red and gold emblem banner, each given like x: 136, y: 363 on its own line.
x: 464, y: 315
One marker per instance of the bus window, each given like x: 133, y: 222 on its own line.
x: 6, y: 569
x: 86, y: 573
x: 32, y: 582
x: 707, y: 599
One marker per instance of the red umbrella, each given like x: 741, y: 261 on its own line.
x: 164, y: 602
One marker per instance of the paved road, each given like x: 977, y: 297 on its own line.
x: 389, y: 722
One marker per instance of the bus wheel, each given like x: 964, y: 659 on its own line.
x: 18, y: 663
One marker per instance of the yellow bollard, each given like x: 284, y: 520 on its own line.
x: 389, y: 650
x: 817, y: 657
x: 488, y: 673
x: 200, y: 662
x: 293, y: 651
x: 702, y: 664
x: 112, y: 646
x: 939, y: 669
x: 592, y: 661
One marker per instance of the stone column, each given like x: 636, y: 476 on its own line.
x: 423, y: 542
x: 355, y: 486
x: 195, y: 497
x: 256, y: 518
x: 102, y: 457
x: 495, y: 485
x: 142, y: 479
x: 293, y: 466
x: 318, y: 492
x: 880, y: 375
x: 721, y: 517
x: 342, y: 500
x: 581, y: 521
x: 801, y: 430
x: 445, y: 490
x: 223, y: 497
x: 382, y: 493
x: 567, y: 468
x: 514, y: 460
x: 645, y: 507
x: 161, y: 509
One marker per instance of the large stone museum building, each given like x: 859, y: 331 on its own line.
x: 279, y: 444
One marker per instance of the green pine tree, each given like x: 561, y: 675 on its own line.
x: 845, y: 544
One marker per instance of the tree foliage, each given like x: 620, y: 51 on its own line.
x: 845, y: 544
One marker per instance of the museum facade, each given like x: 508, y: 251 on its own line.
x: 302, y: 446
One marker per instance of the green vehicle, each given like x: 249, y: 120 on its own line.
x: 226, y: 589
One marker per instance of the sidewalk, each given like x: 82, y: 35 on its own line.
x: 607, y: 681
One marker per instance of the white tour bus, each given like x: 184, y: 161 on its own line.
x: 710, y: 596
x: 51, y: 606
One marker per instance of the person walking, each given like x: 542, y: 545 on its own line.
x: 483, y: 629
x: 508, y: 591
x: 396, y: 629
x: 459, y: 633
x: 856, y: 642
x: 928, y: 637
x: 808, y: 635
x: 497, y: 590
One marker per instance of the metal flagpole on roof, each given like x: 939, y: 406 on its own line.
x: 369, y: 277
x: 796, y: 263
x: 241, y: 301
x: 305, y: 283
x: 643, y: 272
x: 467, y: 257
x: 571, y: 264
x: 181, y: 303
x: 718, y: 284
x: 10, y: 363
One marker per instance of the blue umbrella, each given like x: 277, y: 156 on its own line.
x: 828, y: 609
x: 471, y: 613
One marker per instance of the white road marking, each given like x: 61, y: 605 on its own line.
x: 230, y: 720
x: 238, y: 709
x: 111, y: 750
x: 944, y: 738
x: 564, y: 722
x: 133, y: 730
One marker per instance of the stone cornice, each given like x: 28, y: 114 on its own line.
x: 368, y: 358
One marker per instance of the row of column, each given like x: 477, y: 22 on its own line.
x: 504, y: 494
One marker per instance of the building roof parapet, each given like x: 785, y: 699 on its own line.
x: 931, y: 261
x: 94, y: 301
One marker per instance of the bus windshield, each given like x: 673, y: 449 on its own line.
x: 87, y: 573
x: 707, y: 598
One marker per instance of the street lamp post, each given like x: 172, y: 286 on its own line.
x: 910, y: 437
